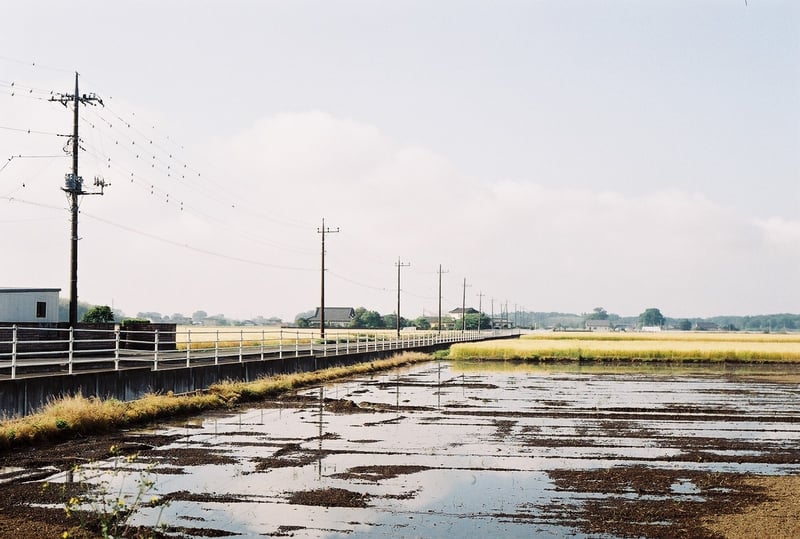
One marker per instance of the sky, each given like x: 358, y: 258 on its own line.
x: 552, y: 155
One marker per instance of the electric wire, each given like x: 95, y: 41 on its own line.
x: 165, y: 167
x: 195, y: 249
x: 162, y: 239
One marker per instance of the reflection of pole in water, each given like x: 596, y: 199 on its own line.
x: 319, y: 447
x: 439, y: 385
x: 397, y: 390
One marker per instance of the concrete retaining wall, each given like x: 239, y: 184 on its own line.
x: 26, y: 395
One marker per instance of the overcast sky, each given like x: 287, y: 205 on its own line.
x: 558, y: 155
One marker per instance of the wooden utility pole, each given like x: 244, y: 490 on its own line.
x: 480, y: 309
x: 73, y: 186
x: 464, y: 307
x: 399, y: 265
x: 440, y: 296
x: 323, y: 230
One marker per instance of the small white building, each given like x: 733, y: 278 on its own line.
x: 19, y: 305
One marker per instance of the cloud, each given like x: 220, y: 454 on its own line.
x: 246, y: 242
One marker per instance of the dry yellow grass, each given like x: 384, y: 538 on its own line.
x: 678, y: 346
x: 78, y: 414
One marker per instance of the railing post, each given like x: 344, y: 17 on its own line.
x: 13, y: 351
x: 262, y: 345
x: 188, y: 347
x: 216, y: 348
x: 155, y: 351
x: 280, y: 344
x: 337, y: 345
x: 71, y: 347
x: 347, y: 344
x: 116, y: 346
x: 297, y: 343
x: 241, y: 344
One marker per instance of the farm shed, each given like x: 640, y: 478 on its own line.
x: 598, y: 325
x: 20, y: 305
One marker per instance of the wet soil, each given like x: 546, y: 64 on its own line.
x: 677, y: 496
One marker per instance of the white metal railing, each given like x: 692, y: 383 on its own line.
x: 59, y: 350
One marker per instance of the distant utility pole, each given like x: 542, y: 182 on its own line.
x: 73, y: 186
x: 440, y: 296
x: 323, y: 230
x: 399, y: 265
x: 464, y: 307
x: 480, y: 310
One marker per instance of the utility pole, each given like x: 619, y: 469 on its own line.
x: 440, y: 296
x: 480, y: 310
x: 323, y: 230
x: 399, y: 265
x: 464, y: 307
x: 492, y: 316
x: 73, y: 186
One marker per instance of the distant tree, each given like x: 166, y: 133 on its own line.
x: 367, y: 319
x: 99, y: 314
x: 63, y: 309
x: 472, y: 321
x: 390, y: 321
x: 301, y: 322
x: 421, y: 323
x: 684, y: 325
x: 651, y: 317
x: 598, y: 314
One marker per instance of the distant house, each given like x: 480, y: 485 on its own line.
x: 334, y: 317
x: 459, y: 313
x: 598, y: 325
x: 20, y: 305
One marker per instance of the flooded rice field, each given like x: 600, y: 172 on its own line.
x: 447, y: 449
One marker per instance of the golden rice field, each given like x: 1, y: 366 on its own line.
x: 665, y: 346
x: 207, y: 337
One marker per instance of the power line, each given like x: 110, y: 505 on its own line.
x: 31, y: 131
x: 160, y: 238
x: 195, y: 249
x: 34, y: 64
x: 20, y: 156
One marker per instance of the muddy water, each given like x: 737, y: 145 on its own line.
x: 465, y: 450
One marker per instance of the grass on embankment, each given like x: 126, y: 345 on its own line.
x: 716, y: 347
x: 67, y: 417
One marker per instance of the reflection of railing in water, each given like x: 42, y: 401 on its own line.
x: 62, y: 350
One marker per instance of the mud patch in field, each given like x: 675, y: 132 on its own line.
x: 639, y: 501
x: 329, y: 497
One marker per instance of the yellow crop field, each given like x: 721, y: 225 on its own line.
x: 665, y: 346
